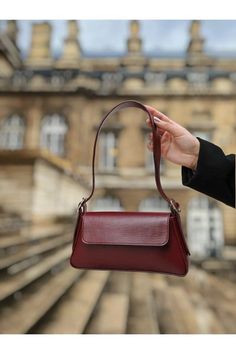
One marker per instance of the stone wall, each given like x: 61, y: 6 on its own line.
x: 37, y: 187
x: 16, y: 189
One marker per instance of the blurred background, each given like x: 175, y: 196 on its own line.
x: 57, y: 80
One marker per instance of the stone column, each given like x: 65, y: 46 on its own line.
x: 75, y: 135
x: 33, y: 124
x: 134, y: 59
x: 134, y: 42
x: 196, y: 40
x: 195, y: 51
x: 71, y: 51
x: 40, y: 54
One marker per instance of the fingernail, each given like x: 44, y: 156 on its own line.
x: 157, y: 119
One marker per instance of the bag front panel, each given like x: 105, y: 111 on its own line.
x: 126, y: 228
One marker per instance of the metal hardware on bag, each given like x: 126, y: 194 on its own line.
x: 81, y: 204
x: 172, y: 205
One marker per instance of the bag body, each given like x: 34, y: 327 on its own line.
x: 130, y: 241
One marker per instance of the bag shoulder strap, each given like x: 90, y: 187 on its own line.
x: 174, y: 206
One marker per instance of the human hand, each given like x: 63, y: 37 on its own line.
x: 178, y: 145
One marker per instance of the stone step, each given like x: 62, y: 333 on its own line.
x: 142, y: 312
x: 32, y: 250
x: 16, y: 282
x: 175, y: 312
x: 34, y: 234
x: 215, y: 296
x: 119, y: 282
x: 226, y: 313
x: 10, y: 223
x: 111, y: 315
x: 229, y: 253
x: 210, y: 286
x: 217, y: 266
x: 213, y: 287
x: 21, y: 316
x: 207, y: 319
x: 74, y: 311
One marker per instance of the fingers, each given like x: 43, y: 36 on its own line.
x: 164, y: 123
x: 150, y: 139
x: 166, y: 138
x: 150, y: 142
x: 158, y: 114
x: 150, y: 146
x: 148, y: 122
x: 161, y: 132
x: 173, y: 129
x: 155, y: 120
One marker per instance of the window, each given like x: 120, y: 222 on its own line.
x: 111, y: 81
x: 204, y: 228
x: 154, y: 204
x: 107, y: 203
x: 198, y: 78
x: 158, y: 78
x: 53, y: 133
x: 107, y: 151
x: 12, y: 133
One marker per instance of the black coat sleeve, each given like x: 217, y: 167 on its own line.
x: 214, y: 175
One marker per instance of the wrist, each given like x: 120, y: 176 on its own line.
x: 193, y: 165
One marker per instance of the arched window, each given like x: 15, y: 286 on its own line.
x: 53, y: 131
x: 12, y: 132
x: 107, y: 203
x: 154, y: 204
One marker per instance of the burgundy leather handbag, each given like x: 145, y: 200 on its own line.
x: 131, y: 241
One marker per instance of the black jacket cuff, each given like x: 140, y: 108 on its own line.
x: 214, y: 175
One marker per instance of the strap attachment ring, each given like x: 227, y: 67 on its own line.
x: 175, y: 206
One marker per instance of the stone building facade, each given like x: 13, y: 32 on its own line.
x: 50, y: 108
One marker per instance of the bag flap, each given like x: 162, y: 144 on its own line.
x: 126, y: 228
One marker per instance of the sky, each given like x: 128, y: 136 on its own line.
x: 159, y: 36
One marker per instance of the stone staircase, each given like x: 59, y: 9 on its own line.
x: 10, y: 222
x: 41, y: 293
x: 225, y: 266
